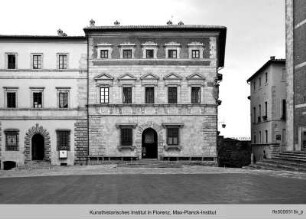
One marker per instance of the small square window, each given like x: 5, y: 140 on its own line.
x: 172, y: 94
x: 195, y: 54
x: 149, y: 53
x: 172, y: 54
x: 11, y: 61
x: 103, y: 54
x: 127, y: 54
x: 63, y: 98
x: 37, y: 99
x: 11, y: 99
x: 104, y: 95
x: 195, y: 95
x: 173, y: 136
x: 126, y: 136
x: 127, y: 94
x: 149, y: 94
x: 63, y: 61
x: 11, y: 140
x: 37, y: 61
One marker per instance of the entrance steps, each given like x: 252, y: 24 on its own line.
x: 288, y: 160
x: 36, y: 164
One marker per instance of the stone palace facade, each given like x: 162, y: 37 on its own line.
x: 119, y: 92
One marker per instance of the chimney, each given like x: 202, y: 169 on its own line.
x: 272, y: 57
x: 92, y: 23
x: 116, y: 23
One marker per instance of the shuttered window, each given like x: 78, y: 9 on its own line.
x: 63, y: 140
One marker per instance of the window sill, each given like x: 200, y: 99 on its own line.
x: 131, y: 147
x: 173, y: 147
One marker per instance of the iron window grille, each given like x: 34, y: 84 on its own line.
x: 11, y: 140
x: 127, y: 95
x: 63, y: 99
x: 11, y: 99
x: 149, y: 94
x: 63, y: 61
x: 126, y: 136
x: 104, y: 54
x: 37, y: 60
x: 172, y: 94
x: 104, y: 95
x: 173, y: 136
x: 172, y: 53
x: 195, y: 95
x: 11, y: 61
x: 63, y: 140
x: 127, y: 54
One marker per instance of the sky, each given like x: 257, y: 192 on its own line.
x: 256, y: 31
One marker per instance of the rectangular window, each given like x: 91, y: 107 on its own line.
x: 195, y: 54
x: 254, y: 114
x: 266, y: 74
x: 172, y: 94
x: 254, y: 139
x: 104, y: 54
x: 266, y: 132
x: 63, y: 61
x: 149, y: 53
x: 172, y: 53
x: 172, y: 136
x: 149, y: 94
x: 63, y: 99
x: 63, y: 140
x: 37, y: 60
x: 266, y: 109
x: 284, y: 109
x: 11, y: 61
x: 259, y: 113
x: 127, y: 54
x: 37, y: 99
x: 11, y: 99
x: 11, y: 140
x: 254, y: 85
x: 104, y: 95
x: 259, y: 136
x: 195, y: 95
x: 127, y: 95
x: 126, y: 136
x: 259, y: 81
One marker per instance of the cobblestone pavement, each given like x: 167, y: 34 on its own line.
x: 114, y: 169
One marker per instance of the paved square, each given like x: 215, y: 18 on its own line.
x: 244, y: 187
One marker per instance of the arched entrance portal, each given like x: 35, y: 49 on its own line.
x: 38, y: 147
x: 149, y: 143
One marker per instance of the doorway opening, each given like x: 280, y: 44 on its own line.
x: 149, y: 144
x: 38, y: 147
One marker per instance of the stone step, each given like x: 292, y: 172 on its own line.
x: 36, y: 165
x: 290, y: 158
x: 297, y: 153
x: 284, y: 162
x: 278, y: 166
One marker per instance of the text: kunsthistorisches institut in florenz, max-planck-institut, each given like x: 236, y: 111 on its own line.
x: 119, y: 92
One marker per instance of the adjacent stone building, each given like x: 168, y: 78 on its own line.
x: 43, y: 97
x: 120, y: 92
x: 296, y: 74
x: 268, y: 108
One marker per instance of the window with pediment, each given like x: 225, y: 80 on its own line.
x: 172, y: 50
x: 195, y: 50
x: 104, y: 51
x: 149, y: 50
x: 127, y: 50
